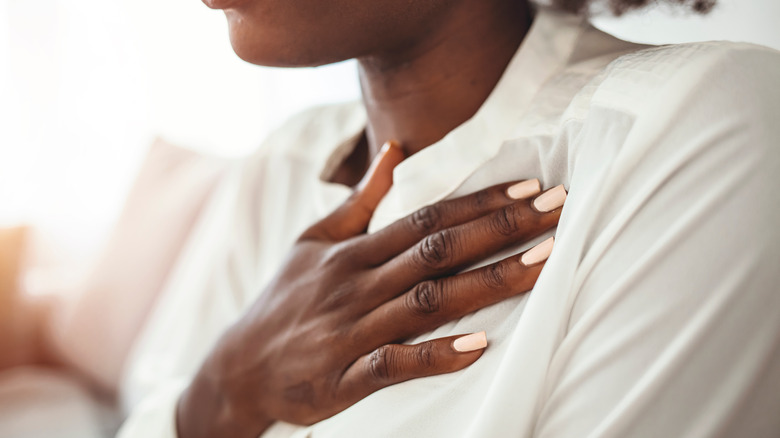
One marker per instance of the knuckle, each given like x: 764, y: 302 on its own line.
x: 434, y: 251
x: 348, y: 254
x: 505, y: 222
x: 312, y: 233
x: 380, y: 363
x: 338, y: 258
x: 426, y: 298
x: 426, y: 220
x: 336, y: 255
x: 494, y: 276
x: 482, y: 199
x: 426, y: 355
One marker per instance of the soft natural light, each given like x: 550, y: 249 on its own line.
x: 86, y: 85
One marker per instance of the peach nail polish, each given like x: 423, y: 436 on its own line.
x: 472, y: 342
x: 524, y: 189
x: 551, y: 199
x: 378, y: 159
x: 385, y: 147
x: 538, y: 253
x: 390, y: 144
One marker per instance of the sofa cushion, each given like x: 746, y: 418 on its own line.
x: 94, y: 331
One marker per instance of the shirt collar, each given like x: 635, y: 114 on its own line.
x: 435, y: 172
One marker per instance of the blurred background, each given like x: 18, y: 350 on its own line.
x: 85, y: 87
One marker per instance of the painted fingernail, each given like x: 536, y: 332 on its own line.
x: 472, y: 342
x: 551, y: 199
x: 524, y: 189
x: 385, y: 148
x: 377, y: 161
x: 390, y: 144
x: 538, y: 253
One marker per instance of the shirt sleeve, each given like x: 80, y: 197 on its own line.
x: 155, y: 416
x: 675, y: 328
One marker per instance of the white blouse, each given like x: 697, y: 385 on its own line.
x: 658, y: 312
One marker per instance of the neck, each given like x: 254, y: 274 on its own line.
x: 418, y: 95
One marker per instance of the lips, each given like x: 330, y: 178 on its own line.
x: 223, y: 4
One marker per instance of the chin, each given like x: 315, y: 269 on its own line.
x: 277, y: 49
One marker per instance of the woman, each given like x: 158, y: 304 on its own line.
x: 654, y: 316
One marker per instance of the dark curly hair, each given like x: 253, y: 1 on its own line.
x: 618, y: 7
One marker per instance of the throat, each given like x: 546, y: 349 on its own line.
x: 419, y: 94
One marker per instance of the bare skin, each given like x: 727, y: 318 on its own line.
x: 324, y: 334
x: 420, y: 95
x: 327, y: 330
x: 425, y: 68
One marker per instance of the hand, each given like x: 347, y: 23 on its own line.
x: 325, y: 332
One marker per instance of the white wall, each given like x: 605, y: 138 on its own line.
x: 86, y: 84
x: 756, y: 21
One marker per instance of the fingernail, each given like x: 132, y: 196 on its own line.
x: 524, y: 189
x: 551, y: 199
x: 389, y: 144
x: 376, y: 161
x: 383, y: 151
x: 472, y: 342
x: 538, y: 253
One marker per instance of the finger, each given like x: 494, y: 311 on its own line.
x: 450, y: 250
x: 402, y: 234
x: 352, y: 217
x: 434, y: 302
x: 394, y: 363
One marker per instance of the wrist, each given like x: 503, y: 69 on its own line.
x: 206, y: 409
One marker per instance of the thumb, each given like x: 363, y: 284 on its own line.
x: 351, y: 218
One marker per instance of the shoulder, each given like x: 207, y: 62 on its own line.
x: 690, y: 120
x: 663, y: 60
x: 682, y: 98
x: 695, y: 72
